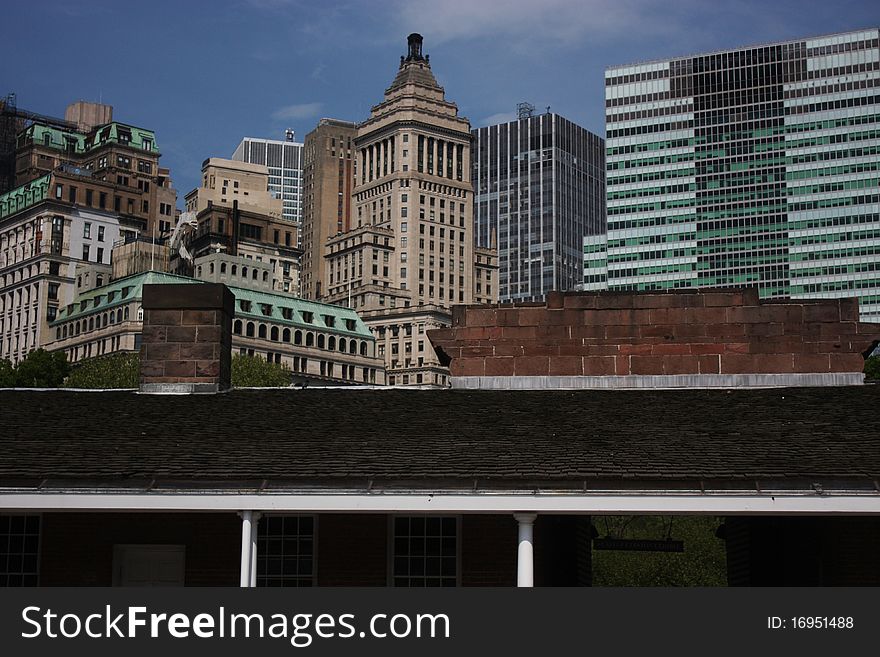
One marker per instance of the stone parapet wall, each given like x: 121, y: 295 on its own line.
x: 698, y: 332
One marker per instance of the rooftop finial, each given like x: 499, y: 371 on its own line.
x: 414, y: 47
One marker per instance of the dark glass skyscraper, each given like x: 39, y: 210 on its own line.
x: 750, y: 167
x: 539, y: 190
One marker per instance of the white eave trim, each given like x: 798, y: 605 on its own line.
x: 637, y: 503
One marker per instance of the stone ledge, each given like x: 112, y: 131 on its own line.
x: 179, y: 388
x: 636, y: 382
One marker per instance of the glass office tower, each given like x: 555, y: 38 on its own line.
x: 284, y: 158
x: 749, y: 167
x: 539, y: 188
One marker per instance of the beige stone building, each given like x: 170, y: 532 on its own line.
x: 319, y: 343
x: 409, y: 255
x: 225, y: 181
x: 328, y: 177
x: 238, y: 216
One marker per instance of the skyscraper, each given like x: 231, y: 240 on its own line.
x: 284, y: 158
x: 410, y: 254
x: 539, y: 185
x: 328, y: 177
x: 749, y: 167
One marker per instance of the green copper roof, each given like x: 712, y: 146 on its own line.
x: 118, y: 133
x: 23, y: 197
x: 116, y: 293
x: 249, y: 304
x: 282, y: 309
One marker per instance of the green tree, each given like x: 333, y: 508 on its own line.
x: 7, y: 374
x: 42, y: 369
x: 119, y: 370
x: 254, y: 372
x: 703, y: 562
x: 872, y: 368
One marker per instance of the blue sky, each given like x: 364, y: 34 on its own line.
x: 203, y: 74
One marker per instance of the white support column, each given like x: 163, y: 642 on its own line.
x: 246, y: 547
x: 255, y: 522
x: 525, y: 561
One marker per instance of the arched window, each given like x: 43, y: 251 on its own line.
x: 320, y: 341
x: 310, y: 339
x: 352, y: 347
x: 92, y: 323
x: 244, y: 272
x: 236, y: 327
x: 199, y: 271
x: 342, y: 345
x: 273, y: 334
x: 235, y: 270
x: 265, y: 276
x: 285, y: 335
x: 211, y: 267
x: 58, y: 333
x: 261, y: 332
x: 64, y: 331
x: 249, y: 329
x: 298, y: 337
x: 254, y: 273
x: 104, y: 320
x: 140, y: 314
x: 125, y: 313
x: 222, y: 267
x: 363, y: 348
x: 331, y: 343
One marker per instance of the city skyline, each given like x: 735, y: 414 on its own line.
x: 202, y: 108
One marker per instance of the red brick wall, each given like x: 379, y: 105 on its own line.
x: 76, y: 549
x: 351, y: 549
x: 690, y: 332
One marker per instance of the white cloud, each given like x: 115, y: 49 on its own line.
x: 299, y: 111
x: 500, y: 117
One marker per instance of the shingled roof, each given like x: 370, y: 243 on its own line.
x: 427, y: 438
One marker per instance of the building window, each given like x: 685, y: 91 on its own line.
x: 100, y: 258
x: 100, y: 233
x: 87, y: 230
x: 85, y: 253
x: 425, y: 551
x: 20, y: 548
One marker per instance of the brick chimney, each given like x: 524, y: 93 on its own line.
x: 187, y: 338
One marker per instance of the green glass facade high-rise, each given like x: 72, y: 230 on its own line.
x: 750, y: 167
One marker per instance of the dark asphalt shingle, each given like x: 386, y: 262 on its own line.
x: 805, y: 434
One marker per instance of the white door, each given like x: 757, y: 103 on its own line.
x: 148, y: 565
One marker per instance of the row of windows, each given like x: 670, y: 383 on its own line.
x: 309, y: 339
x: 424, y: 550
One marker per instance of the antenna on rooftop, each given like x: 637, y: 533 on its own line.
x: 525, y: 110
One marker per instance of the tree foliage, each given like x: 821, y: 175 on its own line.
x: 42, y: 369
x: 703, y: 562
x: 872, y: 368
x: 254, y: 372
x: 7, y: 374
x: 119, y: 370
